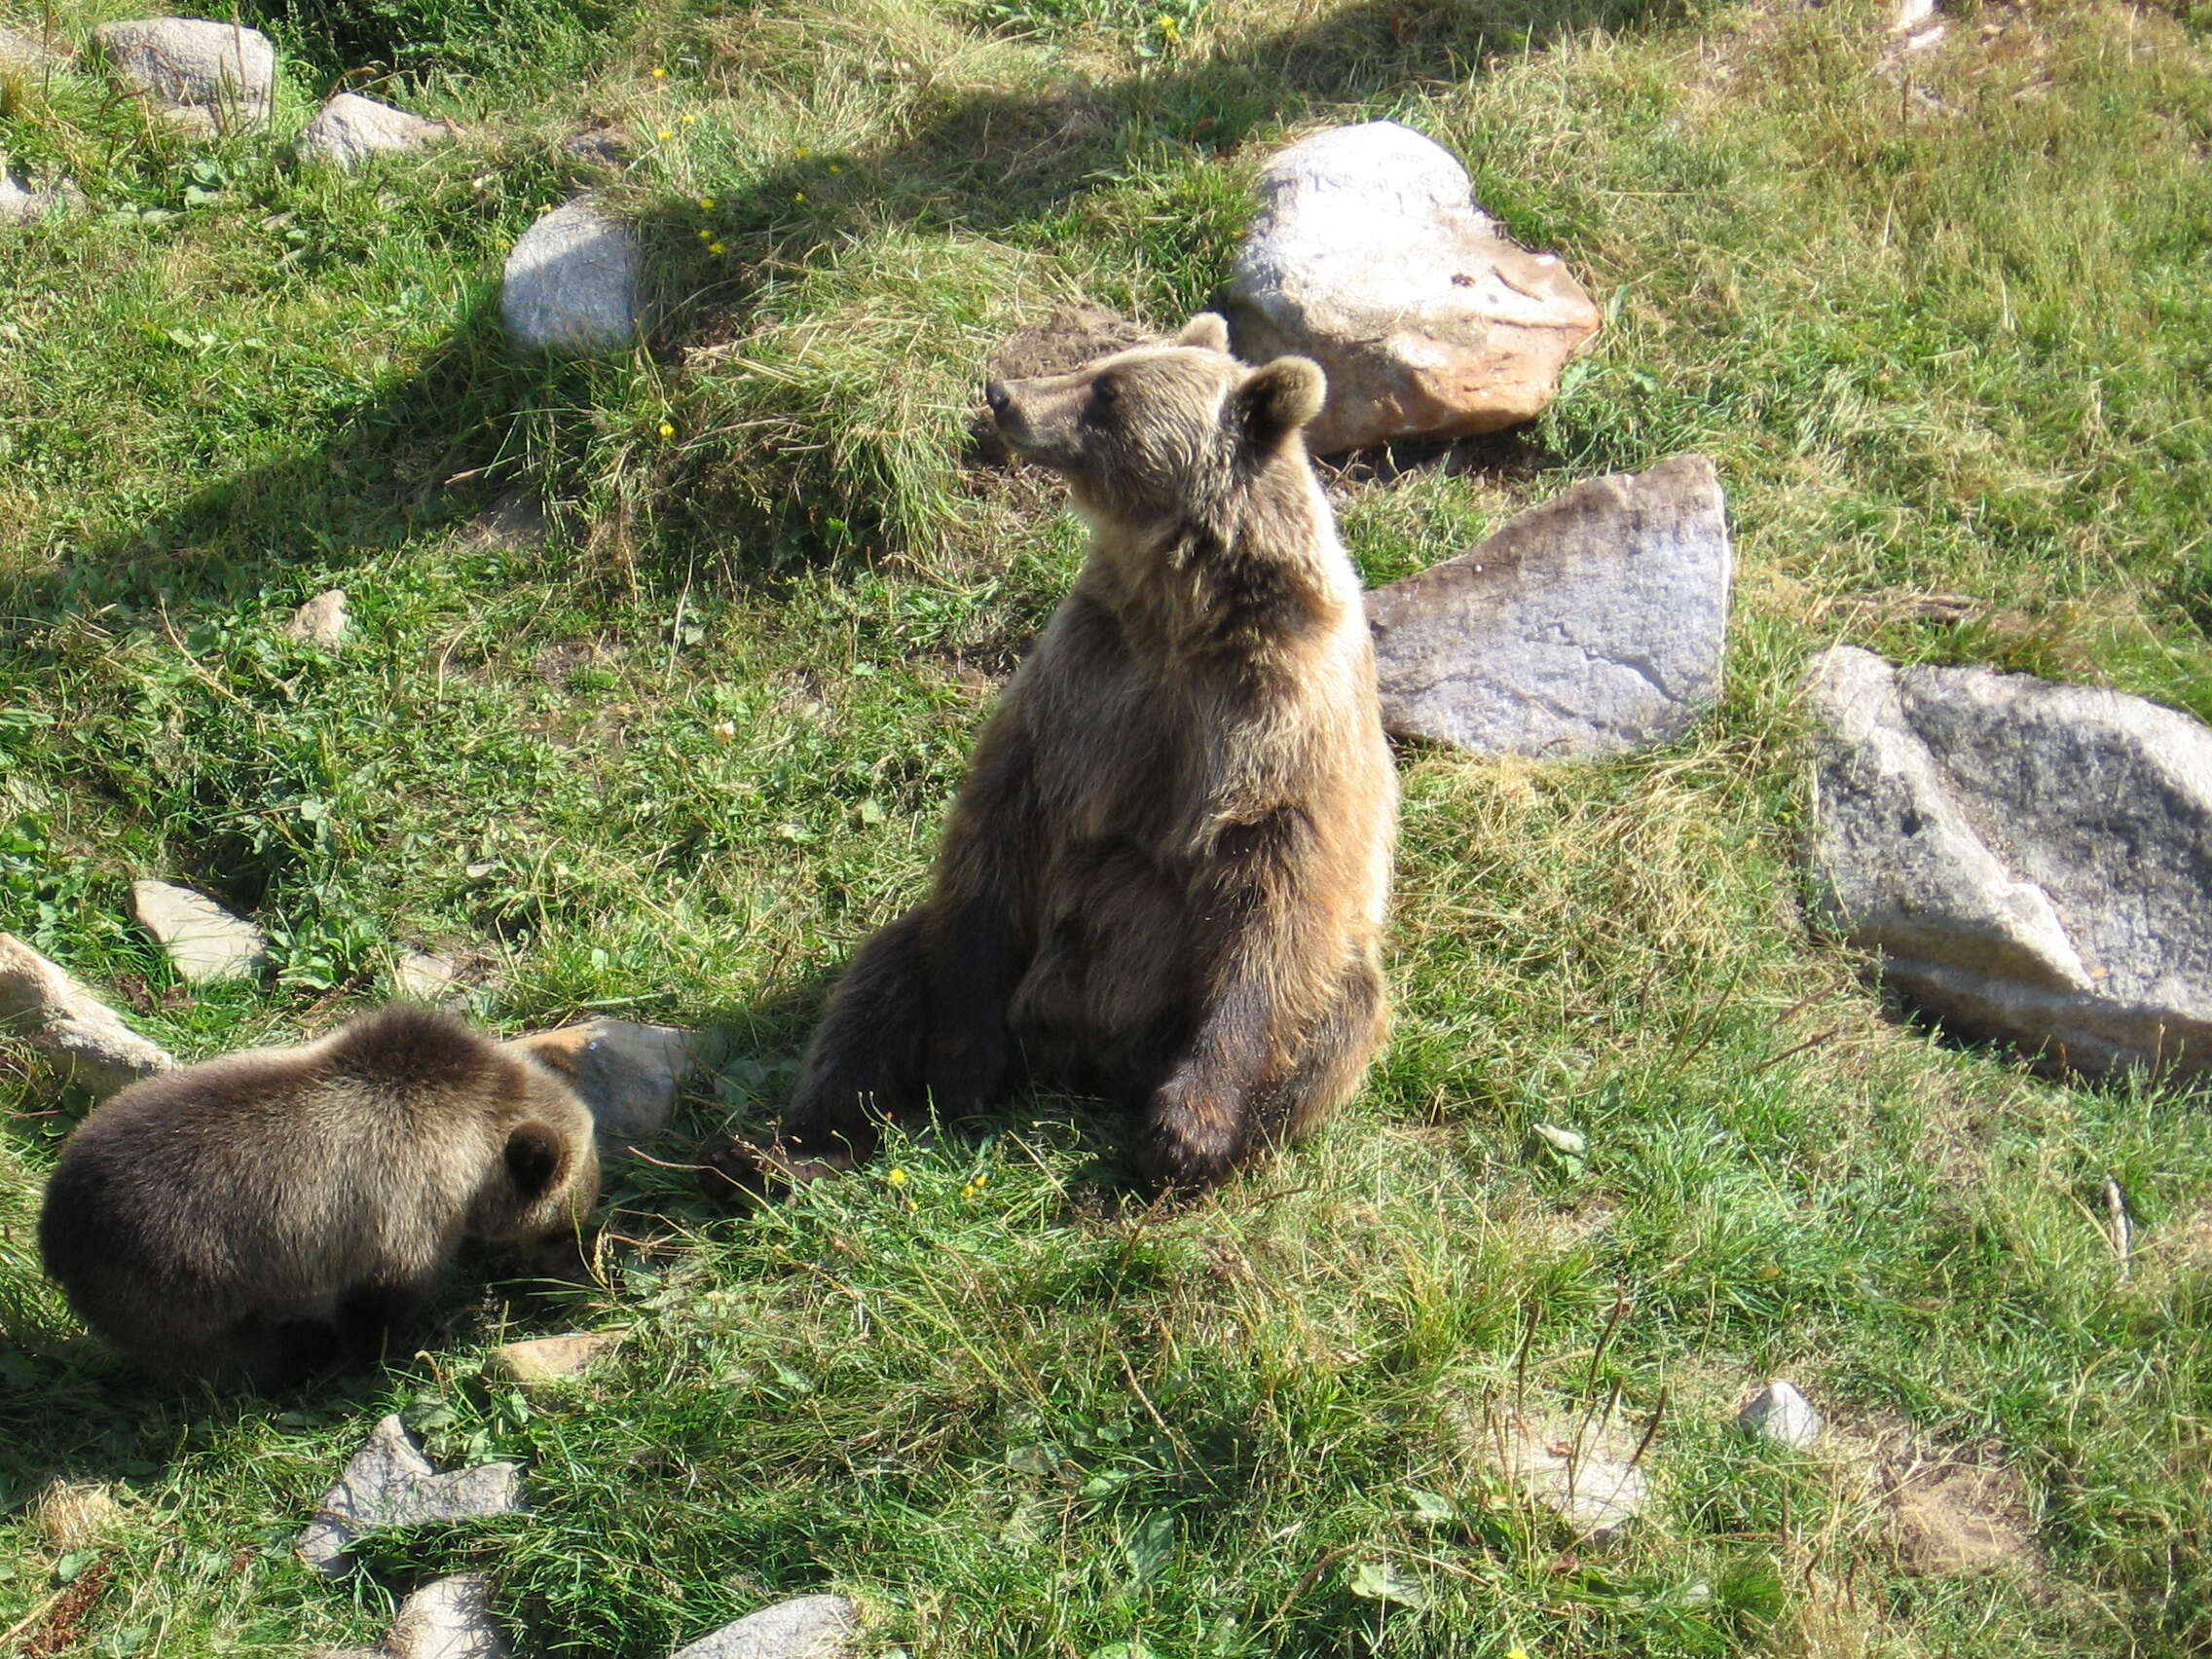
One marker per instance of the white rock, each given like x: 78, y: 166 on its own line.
x: 207, y: 943
x: 323, y: 622
x: 553, y: 1359
x: 1593, y: 624
x: 351, y: 129
x: 448, y: 1618
x: 1369, y: 256
x: 2032, y: 860
x: 1590, y: 1487
x: 1780, y: 1412
x: 575, y: 284
x: 628, y: 1074
x: 212, y: 77
x: 422, y: 977
x: 41, y: 1003
x: 389, y: 1482
x: 808, y: 1626
x: 1910, y: 15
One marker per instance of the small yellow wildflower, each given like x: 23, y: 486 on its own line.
x: 1170, y: 27
x: 1516, y: 1653
x: 706, y: 235
x: 667, y: 430
x: 804, y: 152
x: 717, y: 248
x: 836, y: 167
x: 687, y: 118
x: 896, y: 1177
x: 663, y: 133
x: 980, y: 1180
x: 968, y: 1191
x: 707, y: 203
x: 798, y: 196
x: 660, y: 73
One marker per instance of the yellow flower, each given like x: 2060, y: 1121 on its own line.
x: 804, y: 152
x: 980, y: 1180
x: 968, y: 1191
x: 687, y: 118
x: 896, y: 1177
x: 706, y: 235
x: 1516, y: 1653
x: 835, y: 168
x: 667, y: 430
x: 659, y: 73
x: 662, y: 132
x: 707, y: 203
x: 798, y: 196
x: 716, y: 248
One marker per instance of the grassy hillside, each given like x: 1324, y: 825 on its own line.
x: 1945, y: 323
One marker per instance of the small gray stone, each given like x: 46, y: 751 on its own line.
x: 209, y: 77
x: 323, y: 622
x: 389, y: 1482
x: 1589, y: 1486
x: 1780, y: 1412
x: 20, y: 202
x: 1590, y: 625
x: 575, y: 284
x: 207, y: 943
x: 808, y: 1626
x: 28, y: 54
x: 351, y: 129
x: 448, y: 1618
x: 553, y: 1359
x: 422, y: 977
x: 2032, y: 860
x: 628, y: 1074
x: 40, y: 1002
x: 1369, y: 255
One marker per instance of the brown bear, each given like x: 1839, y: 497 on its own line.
x: 257, y: 1219
x: 1164, y: 879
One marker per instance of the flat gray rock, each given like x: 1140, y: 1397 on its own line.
x: 420, y: 977
x: 575, y: 284
x: 1781, y: 1413
x: 2030, y: 861
x: 628, y: 1074
x: 351, y: 129
x: 1593, y: 624
x: 209, y: 77
x: 41, y: 1003
x: 1589, y: 1485
x: 389, y: 1482
x: 1369, y: 255
x: 207, y: 943
x: 23, y: 52
x: 448, y: 1618
x: 809, y: 1627
x: 323, y: 622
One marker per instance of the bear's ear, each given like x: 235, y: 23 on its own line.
x: 1277, y: 400
x: 534, y: 1160
x: 1206, y: 331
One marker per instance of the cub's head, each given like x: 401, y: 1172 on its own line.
x: 1157, y: 432
x: 547, y: 1180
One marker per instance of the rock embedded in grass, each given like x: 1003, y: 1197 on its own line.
x: 448, y: 1618
x: 44, y: 1005
x: 25, y: 53
x: 207, y: 943
x: 205, y: 77
x: 1369, y: 255
x: 807, y: 1626
x: 390, y: 1483
x: 1593, y: 624
x: 628, y: 1074
x: 575, y: 284
x: 351, y: 129
x: 553, y: 1359
x: 2030, y: 861
x: 322, y: 621
x: 1589, y: 1481
x: 1781, y: 1413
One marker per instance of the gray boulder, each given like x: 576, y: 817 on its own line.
x: 207, y: 943
x: 206, y: 76
x: 351, y: 129
x: 627, y: 1073
x: 575, y: 284
x: 41, y: 1003
x: 807, y: 1626
x: 1590, y: 625
x: 2033, y: 862
x: 1369, y: 255
x: 390, y: 1483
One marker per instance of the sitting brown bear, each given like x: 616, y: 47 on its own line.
x: 1164, y: 880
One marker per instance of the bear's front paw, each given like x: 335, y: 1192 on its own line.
x: 735, y: 1171
x: 1192, y: 1137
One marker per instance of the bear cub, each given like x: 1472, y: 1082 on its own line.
x: 1163, y: 878
x: 261, y: 1218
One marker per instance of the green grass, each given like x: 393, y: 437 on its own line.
x: 673, y: 763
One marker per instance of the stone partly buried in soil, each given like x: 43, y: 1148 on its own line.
x: 41, y: 1003
x: 627, y: 1074
x: 1589, y: 1481
x: 2030, y: 861
x: 808, y: 1626
x: 208, y: 76
x: 553, y: 1359
x: 207, y: 943
x: 351, y: 129
x: 323, y: 622
x: 573, y: 284
x: 1593, y: 624
x: 1781, y: 1413
x: 1369, y: 255
x: 390, y: 1483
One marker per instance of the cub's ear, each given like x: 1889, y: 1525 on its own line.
x: 1206, y: 331
x: 535, y: 1158
x: 1277, y: 400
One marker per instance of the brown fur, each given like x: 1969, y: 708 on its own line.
x: 1164, y: 877
x: 262, y: 1217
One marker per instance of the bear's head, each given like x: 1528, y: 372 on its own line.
x: 1157, y: 434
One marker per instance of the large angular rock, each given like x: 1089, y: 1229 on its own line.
x: 208, y: 76
x: 2032, y: 860
x: 1590, y: 625
x: 389, y: 1482
x: 1369, y: 255
x: 207, y: 943
x: 41, y: 1003
x: 628, y: 1074
x: 351, y: 129
x: 575, y: 284
x: 807, y: 1626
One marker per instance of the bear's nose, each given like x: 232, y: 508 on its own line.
x: 995, y: 396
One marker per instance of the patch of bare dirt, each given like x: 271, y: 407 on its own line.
x: 1942, y: 1509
